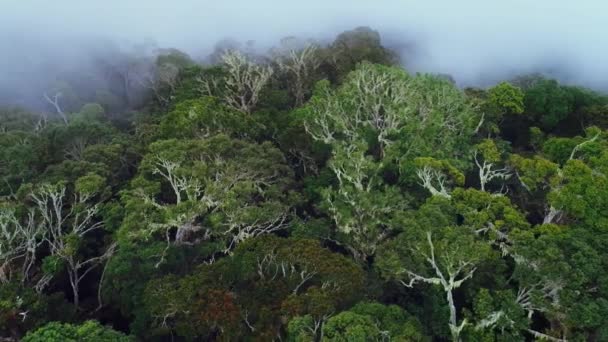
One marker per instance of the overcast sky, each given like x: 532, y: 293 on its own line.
x: 473, y: 40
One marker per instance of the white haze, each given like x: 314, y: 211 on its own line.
x: 476, y: 41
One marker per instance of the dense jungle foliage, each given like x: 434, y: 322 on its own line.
x: 317, y: 192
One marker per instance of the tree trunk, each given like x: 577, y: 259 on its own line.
x: 75, y: 293
x: 453, y: 323
x: 74, y: 282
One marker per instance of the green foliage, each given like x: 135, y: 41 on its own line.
x: 536, y: 137
x: 52, y: 265
x: 203, y: 117
x: 437, y: 249
x: 595, y: 115
x: 348, y: 326
x: 17, y: 119
x: 90, y: 184
x: 175, y: 57
x: 265, y: 274
x: 90, y: 111
x: 548, y: 102
x: 69, y: 141
x: 561, y: 149
x: 478, y: 208
x: 566, y: 257
x: 22, y: 309
x: 443, y: 167
x: 337, y: 199
x: 373, y: 322
x: 401, y: 123
x: 377, y: 123
x: 232, y: 187
x: 392, y: 321
x: 301, y: 329
x: 90, y: 331
x: 355, y: 46
x: 506, y: 98
x: 583, y: 195
x: 488, y: 150
x: 536, y: 173
x: 19, y: 160
x: 127, y: 274
x: 502, y: 305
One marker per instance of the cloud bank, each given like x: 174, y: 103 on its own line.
x: 476, y: 41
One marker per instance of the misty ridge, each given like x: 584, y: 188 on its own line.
x: 89, y: 47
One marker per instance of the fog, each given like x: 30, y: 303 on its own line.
x: 476, y: 41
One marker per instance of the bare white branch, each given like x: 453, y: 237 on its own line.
x: 429, y: 177
x: 19, y: 241
x: 55, y: 102
x: 245, y: 81
x: 64, y: 222
x: 450, y: 275
x: 299, y: 64
x: 487, y: 173
x: 553, y: 215
x: 579, y: 146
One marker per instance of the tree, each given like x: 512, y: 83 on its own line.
x: 393, y: 322
x: 55, y: 102
x: 361, y: 44
x: 89, y: 331
x: 204, y: 117
x: 160, y: 74
x: 362, y: 208
x: 595, y: 115
x: 375, y: 93
x: 19, y: 241
x: 500, y: 102
x: 558, y: 272
x: 243, y: 83
x: 490, y: 155
x: 548, y: 101
x: 436, y: 176
x: 67, y: 224
x: 19, y: 160
x: 363, y: 322
x: 559, y: 280
x: 23, y: 309
x: 85, y: 128
x: 318, y: 192
x: 327, y: 282
x: 348, y: 326
x: 175, y: 57
x: 299, y: 64
x: 63, y: 97
x: 18, y: 119
x: 218, y: 189
x: 455, y: 262
x: 399, y: 116
x: 379, y: 117
x: 192, y: 309
x: 499, y: 316
x: 506, y: 98
x: 446, y: 241
x: 269, y: 276
x: 557, y: 183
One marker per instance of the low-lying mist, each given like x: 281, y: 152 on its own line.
x: 477, y: 42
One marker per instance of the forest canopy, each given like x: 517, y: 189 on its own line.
x: 315, y: 192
